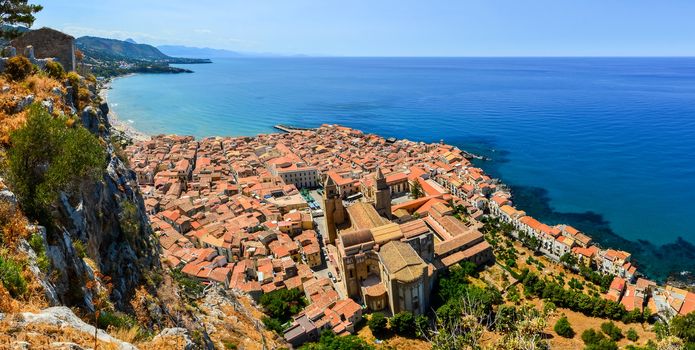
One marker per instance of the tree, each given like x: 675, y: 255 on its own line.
x: 422, y: 325
x: 591, y: 336
x: 469, y: 269
x: 683, y: 327
x: 329, y: 341
x: 459, y: 324
x: 632, y: 334
x: 281, y: 305
x: 46, y: 157
x: 524, y: 330
x: 569, y: 259
x: 16, y: 12
x: 377, y: 323
x: 611, y: 330
x: 416, y: 190
x: 403, y: 323
x: 563, y: 328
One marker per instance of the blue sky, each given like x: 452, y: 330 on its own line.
x: 391, y: 27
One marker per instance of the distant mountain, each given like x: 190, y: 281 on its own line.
x: 187, y: 51
x: 112, y: 49
x: 111, y: 57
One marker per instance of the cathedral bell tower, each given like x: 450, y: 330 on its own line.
x: 333, y: 205
x: 382, y: 195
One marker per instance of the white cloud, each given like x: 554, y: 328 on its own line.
x: 202, y: 31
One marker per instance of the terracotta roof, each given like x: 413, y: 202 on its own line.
x: 352, y: 238
x: 364, y: 216
x: 401, y: 261
x: 414, y: 228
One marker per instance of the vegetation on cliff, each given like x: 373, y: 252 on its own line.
x: 47, y: 156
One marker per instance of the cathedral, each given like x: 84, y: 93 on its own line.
x: 380, y: 262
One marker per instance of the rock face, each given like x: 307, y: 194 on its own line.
x: 109, y: 218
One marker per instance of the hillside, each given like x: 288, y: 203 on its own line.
x: 111, y: 57
x: 82, y: 253
x: 112, y: 49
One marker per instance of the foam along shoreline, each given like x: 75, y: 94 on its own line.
x: 118, y: 124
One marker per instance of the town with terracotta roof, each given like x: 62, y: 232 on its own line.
x: 356, y: 222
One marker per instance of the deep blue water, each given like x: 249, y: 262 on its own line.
x: 607, y: 144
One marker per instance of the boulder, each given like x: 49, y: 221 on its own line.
x: 24, y: 103
x: 62, y: 317
x: 90, y: 119
x: 48, y: 104
x: 176, y: 333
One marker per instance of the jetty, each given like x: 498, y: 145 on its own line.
x: 287, y: 128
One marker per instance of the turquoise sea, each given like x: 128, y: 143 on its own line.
x: 605, y: 144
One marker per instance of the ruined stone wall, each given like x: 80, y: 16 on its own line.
x: 49, y: 43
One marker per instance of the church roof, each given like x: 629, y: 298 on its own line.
x: 387, y: 233
x: 352, y: 238
x: 364, y: 216
x: 401, y: 261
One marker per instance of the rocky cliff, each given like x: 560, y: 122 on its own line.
x: 96, y: 254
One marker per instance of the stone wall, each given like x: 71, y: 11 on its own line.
x: 49, y: 43
x: 10, y: 52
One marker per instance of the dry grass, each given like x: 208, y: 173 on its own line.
x: 580, y: 323
x: 393, y: 342
x: 40, y: 336
x: 7, y: 304
x: 13, y: 225
x: 38, y: 85
x: 128, y: 335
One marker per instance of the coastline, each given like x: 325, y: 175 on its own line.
x: 650, y: 256
x: 122, y: 126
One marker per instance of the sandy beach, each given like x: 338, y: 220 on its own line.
x: 117, y: 123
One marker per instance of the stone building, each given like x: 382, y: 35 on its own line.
x: 49, y: 43
x: 334, y: 210
x: 382, y: 195
x: 406, y: 278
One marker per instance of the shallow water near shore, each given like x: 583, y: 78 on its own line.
x: 605, y: 144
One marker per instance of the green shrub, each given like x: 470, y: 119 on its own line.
x: 11, y: 277
x: 377, y: 323
x: 46, y: 157
x: 36, y: 243
x: 591, y: 336
x: 611, y: 330
x: 604, y: 344
x: 18, y: 68
x: 129, y: 221
x: 403, y: 323
x: 422, y: 325
x: 273, y: 324
x: 329, y: 341
x: 55, y: 70
x: 684, y: 327
x: 80, y: 249
x: 191, y: 287
x: 115, y: 320
x: 563, y: 328
x: 632, y: 334
x: 280, y: 306
x: 229, y: 344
